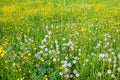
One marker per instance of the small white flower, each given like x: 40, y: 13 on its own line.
x: 66, y: 70
x: 79, y: 53
x: 65, y: 62
x: 46, y: 36
x: 118, y: 69
x: 109, y: 36
x: 114, y: 57
x: 112, y: 75
x: 99, y: 74
x: 65, y: 65
x: 101, y: 55
x: 50, y: 32
x: 54, y: 59
x: 74, y: 71
x: 66, y: 57
x: 114, y: 65
x: 109, y: 60
x: 63, y: 39
x: 53, y: 51
x: 83, y: 65
x: 35, y: 48
x: 13, y: 64
x: 92, y: 54
x: 98, y: 45
x: 77, y: 75
x: 113, y: 53
x: 105, y: 39
x: 60, y: 73
x: 75, y: 58
x: 79, y: 50
x: 46, y: 49
x: 56, y: 42
x: 107, y: 43
x: 71, y: 76
x: 119, y: 56
x: 69, y: 64
x: 114, y: 40
x: 109, y: 71
x: 50, y: 52
x: 67, y: 76
x: 58, y: 52
x: 74, y: 61
x: 87, y: 60
x: 36, y: 65
x: 44, y: 40
x: 106, y: 55
x: 114, y: 61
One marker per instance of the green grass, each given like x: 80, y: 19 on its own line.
x: 59, y: 40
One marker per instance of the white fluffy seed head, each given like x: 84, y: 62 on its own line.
x: 60, y: 73
x: 109, y: 71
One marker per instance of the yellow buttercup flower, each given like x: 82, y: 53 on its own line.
x: 2, y: 52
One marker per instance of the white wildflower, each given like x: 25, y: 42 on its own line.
x: 74, y: 71
x: 112, y: 75
x: 119, y: 56
x: 118, y: 69
x: 69, y: 64
x: 99, y: 74
x: 71, y: 76
x: 60, y: 73
x: 74, y: 61
x: 54, y: 60
x: 109, y: 60
x: 77, y: 75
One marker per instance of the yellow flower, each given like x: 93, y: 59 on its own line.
x: 117, y: 30
x: 0, y: 49
x: 29, y: 54
x: 82, y: 30
x: 21, y: 78
x: 61, y: 67
x: 25, y: 58
x: 2, y: 52
x: 42, y: 60
x: 46, y: 78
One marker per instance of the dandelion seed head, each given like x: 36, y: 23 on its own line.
x: 61, y: 73
x: 109, y: 71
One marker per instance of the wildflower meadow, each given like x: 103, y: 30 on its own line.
x: 59, y: 39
